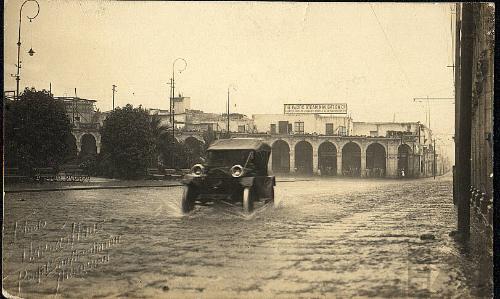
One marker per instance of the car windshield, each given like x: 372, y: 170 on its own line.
x: 227, y: 158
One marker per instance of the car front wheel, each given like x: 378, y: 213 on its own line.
x: 188, y: 199
x: 247, y: 200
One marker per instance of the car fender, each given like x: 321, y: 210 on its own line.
x: 247, y: 181
x: 190, y: 179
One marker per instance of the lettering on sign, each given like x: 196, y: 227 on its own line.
x: 339, y: 108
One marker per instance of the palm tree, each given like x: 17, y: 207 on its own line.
x: 158, y: 131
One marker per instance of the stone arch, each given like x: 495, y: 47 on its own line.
x: 327, y: 158
x: 304, y: 157
x: 351, y: 159
x: 280, y: 156
x: 404, y: 159
x: 375, y: 160
x: 88, y: 144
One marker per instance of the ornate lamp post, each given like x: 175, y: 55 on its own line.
x: 30, y: 52
x: 172, y: 102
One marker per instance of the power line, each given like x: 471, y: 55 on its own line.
x: 390, y: 45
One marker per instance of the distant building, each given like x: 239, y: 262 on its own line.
x: 331, y: 125
x: 311, y: 142
x: 86, y: 121
x: 329, y: 144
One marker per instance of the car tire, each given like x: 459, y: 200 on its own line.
x: 248, y: 200
x: 188, y: 199
x: 271, y: 197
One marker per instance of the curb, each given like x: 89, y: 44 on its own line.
x: 90, y: 188
x: 76, y: 188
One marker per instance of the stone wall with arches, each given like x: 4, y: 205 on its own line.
x: 286, y: 157
x: 386, y: 164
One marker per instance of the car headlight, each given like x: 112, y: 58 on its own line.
x: 237, y: 171
x: 197, y: 170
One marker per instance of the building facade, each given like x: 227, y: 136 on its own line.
x: 86, y: 122
x: 319, y: 144
x: 310, y: 144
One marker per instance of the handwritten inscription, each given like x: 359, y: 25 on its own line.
x: 49, y: 254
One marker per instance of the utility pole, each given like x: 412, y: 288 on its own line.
x: 434, y: 164
x: 114, y: 90
x: 171, y: 112
x: 172, y: 101
x: 228, y: 112
x: 463, y: 163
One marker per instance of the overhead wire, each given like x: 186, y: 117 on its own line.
x: 390, y: 45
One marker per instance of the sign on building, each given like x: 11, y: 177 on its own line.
x: 316, y: 108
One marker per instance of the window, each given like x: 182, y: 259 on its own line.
x: 299, y: 127
x: 283, y: 127
x: 273, y: 128
x: 373, y: 134
x: 241, y: 129
x: 329, y: 129
x: 342, y: 131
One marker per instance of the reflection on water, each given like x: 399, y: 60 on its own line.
x: 321, y: 237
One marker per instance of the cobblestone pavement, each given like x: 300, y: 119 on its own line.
x: 324, y: 238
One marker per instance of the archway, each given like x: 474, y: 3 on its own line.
x: 351, y: 159
x: 194, y: 150
x: 304, y: 157
x: 327, y: 158
x: 281, y: 156
x: 88, y: 145
x: 375, y: 160
x: 404, y: 153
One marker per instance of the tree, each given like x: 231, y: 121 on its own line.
x: 36, y: 131
x: 167, y: 148
x: 126, y: 142
x: 209, y: 136
x: 158, y: 132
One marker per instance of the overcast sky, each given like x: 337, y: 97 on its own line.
x: 374, y: 57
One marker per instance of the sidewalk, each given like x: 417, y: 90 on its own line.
x: 104, y: 183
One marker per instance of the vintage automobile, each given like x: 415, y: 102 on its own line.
x: 235, y: 170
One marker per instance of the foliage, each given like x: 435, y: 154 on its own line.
x: 127, y: 142
x: 158, y: 133
x: 89, y: 164
x: 209, y: 137
x: 36, y: 131
x: 195, y: 151
x: 173, y: 154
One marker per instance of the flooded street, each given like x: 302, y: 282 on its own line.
x: 324, y: 238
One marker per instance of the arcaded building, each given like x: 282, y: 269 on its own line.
x: 326, y: 144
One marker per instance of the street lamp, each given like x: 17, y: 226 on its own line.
x: 30, y: 52
x: 172, y: 103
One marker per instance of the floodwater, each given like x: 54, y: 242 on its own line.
x: 322, y: 238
